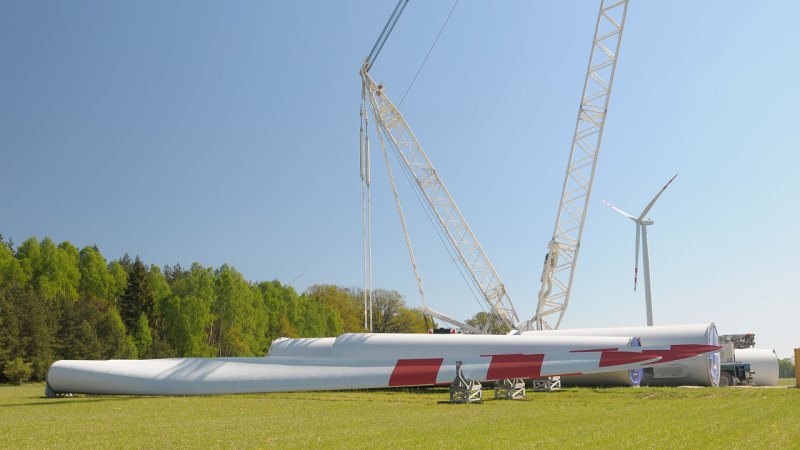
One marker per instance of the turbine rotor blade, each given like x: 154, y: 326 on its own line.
x: 636, y: 264
x: 630, y: 216
x: 653, y: 201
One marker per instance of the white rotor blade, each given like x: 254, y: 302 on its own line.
x: 653, y: 201
x: 636, y: 263
x: 630, y: 216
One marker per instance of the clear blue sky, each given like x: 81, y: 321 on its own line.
x: 228, y: 132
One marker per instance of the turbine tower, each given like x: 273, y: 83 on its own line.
x: 641, y: 231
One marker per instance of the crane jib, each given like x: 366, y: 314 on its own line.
x: 447, y: 214
x: 562, y: 256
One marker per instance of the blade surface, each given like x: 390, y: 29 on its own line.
x: 630, y: 216
x: 653, y: 201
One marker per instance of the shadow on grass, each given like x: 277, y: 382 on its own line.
x: 447, y: 402
x: 66, y: 401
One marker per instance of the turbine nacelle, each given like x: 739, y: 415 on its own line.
x: 637, y: 221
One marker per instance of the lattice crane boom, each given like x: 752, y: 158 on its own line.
x: 441, y: 203
x: 559, y: 265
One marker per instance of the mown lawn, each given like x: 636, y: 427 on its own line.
x: 594, y: 418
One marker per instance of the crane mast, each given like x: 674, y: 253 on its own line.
x: 559, y: 264
x: 441, y: 203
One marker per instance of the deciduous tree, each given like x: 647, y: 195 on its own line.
x: 480, y: 319
x: 95, y: 279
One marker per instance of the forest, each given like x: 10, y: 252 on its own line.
x: 61, y: 302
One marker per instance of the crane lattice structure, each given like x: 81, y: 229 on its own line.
x: 440, y: 204
x: 559, y: 265
x: 449, y: 218
x: 562, y: 255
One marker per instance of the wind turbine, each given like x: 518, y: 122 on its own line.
x: 641, y: 230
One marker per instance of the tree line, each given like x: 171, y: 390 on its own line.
x: 59, y: 302
x: 786, y: 368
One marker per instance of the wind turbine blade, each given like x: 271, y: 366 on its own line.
x: 653, y: 201
x: 630, y: 216
x: 636, y: 263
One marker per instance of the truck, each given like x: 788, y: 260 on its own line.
x: 733, y: 372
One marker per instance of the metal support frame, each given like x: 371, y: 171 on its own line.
x: 441, y: 203
x: 547, y: 384
x: 463, y: 390
x: 510, y: 389
x: 562, y: 252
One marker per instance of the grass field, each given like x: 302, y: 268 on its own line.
x: 604, y: 418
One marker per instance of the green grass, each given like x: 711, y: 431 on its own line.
x: 787, y: 381
x: 595, y: 418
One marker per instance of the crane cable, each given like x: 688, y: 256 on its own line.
x: 429, y: 53
x: 400, y: 213
x: 387, y: 30
x: 426, y: 207
x: 368, y: 62
x: 415, y: 188
x: 366, y: 193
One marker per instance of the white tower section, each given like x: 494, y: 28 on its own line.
x: 444, y: 208
x: 559, y: 265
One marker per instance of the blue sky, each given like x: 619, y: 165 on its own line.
x: 228, y: 132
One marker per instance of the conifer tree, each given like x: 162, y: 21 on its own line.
x: 137, y: 299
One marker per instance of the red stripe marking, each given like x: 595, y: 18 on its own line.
x: 681, y: 351
x: 415, y: 372
x: 515, y: 366
x: 615, y: 357
x: 618, y: 358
